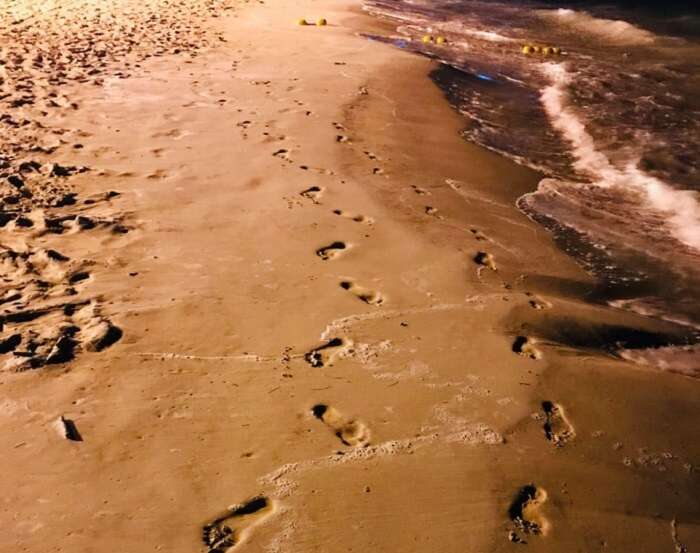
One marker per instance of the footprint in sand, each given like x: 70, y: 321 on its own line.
x: 227, y: 531
x: 44, y: 323
x: 331, y: 251
x: 525, y: 512
x: 537, y: 303
x: 325, y: 355
x: 433, y: 212
x: 485, y: 261
x: 356, y: 218
x: 313, y: 193
x: 525, y: 346
x: 370, y: 297
x: 68, y: 429
x: 557, y: 427
x: 351, y: 432
x: 478, y: 235
x: 282, y: 153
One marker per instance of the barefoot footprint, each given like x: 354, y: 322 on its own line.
x: 368, y: 296
x: 478, y: 235
x: 312, y: 193
x: 420, y: 191
x: 485, y: 260
x: 224, y: 533
x: 433, y: 212
x: 351, y: 432
x: 326, y: 354
x: 525, y: 346
x: 557, y: 427
x: 331, y: 251
x: 356, y: 218
x: 537, y: 303
x: 525, y: 512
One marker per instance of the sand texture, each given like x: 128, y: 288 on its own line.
x: 258, y: 295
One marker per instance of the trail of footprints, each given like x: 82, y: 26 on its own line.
x: 336, y: 248
x: 525, y: 511
x: 227, y: 531
x: 224, y: 533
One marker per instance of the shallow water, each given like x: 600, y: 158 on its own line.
x: 613, y: 122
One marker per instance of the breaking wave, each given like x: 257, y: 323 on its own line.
x: 681, y: 206
x: 612, y: 30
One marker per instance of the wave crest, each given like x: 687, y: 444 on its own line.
x: 613, y: 30
x: 681, y: 207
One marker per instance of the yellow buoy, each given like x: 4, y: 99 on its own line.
x: 302, y: 22
x: 321, y: 22
x: 440, y: 40
x: 426, y: 39
x: 536, y: 49
x: 556, y: 50
x: 527, y: 49
x: 547, y: 50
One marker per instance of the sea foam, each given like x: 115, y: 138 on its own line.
x: 682, y: 207
x: 612, y: 30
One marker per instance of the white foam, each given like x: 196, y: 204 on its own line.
x: 612, y: 30
x: 489, y: 36
x: 649, y: 307
x: 681, y: 206
x: 679, y: 359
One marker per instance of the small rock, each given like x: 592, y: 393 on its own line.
x: 100, y: 335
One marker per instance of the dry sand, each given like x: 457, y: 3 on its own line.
x: 258, y: 295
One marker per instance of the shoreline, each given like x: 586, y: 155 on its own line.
x: 331, y: 304
x: 620, y: 331
x: 585, y: 210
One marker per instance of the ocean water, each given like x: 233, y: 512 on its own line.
x: 612, y: 122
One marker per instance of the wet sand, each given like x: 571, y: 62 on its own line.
x: 287, y: 309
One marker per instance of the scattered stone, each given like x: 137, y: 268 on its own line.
x: 100, y: 335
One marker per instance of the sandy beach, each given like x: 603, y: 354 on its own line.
x: 259, y: 295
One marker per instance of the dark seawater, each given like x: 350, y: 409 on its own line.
x: 613, y: 122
